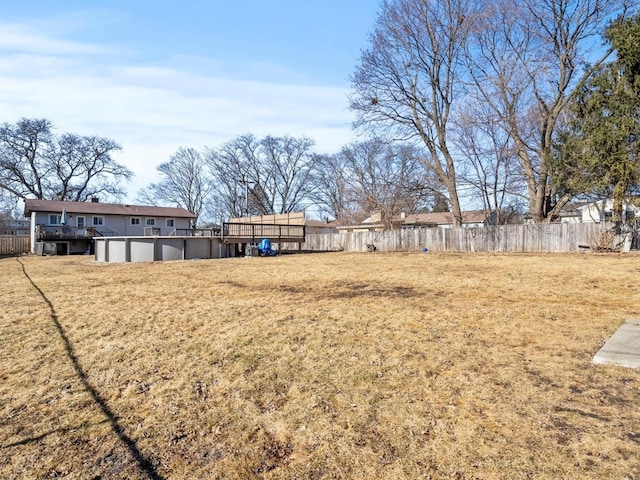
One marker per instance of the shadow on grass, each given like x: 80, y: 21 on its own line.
x: 347, y: 290
x: 145, y: 464
x: 26, y: 441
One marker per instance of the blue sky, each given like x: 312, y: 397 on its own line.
x: 158, y: 75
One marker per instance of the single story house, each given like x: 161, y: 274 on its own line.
x: 320, y: 226
x: 59, y: 227
x: 471, y: 218
x: 475, y: 218
x: 602, y: 211
x: 571, y: 212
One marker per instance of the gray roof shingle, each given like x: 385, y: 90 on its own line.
x: 97, y: 208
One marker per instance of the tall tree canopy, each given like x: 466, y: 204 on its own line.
x: 386, y: 178
x: 262, y: 176
x: 490, y: 164
x: 427, y: 61
x: 373, y: 175
x: 35, y: 163
x: 331, y: 193
x: 527, y: 59
x: 411, y: 78
x: 600, y: 148
x: 185, y: 181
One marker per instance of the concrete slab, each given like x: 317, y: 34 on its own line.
x: 623, y: 348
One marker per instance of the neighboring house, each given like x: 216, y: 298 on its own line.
x: 11, y: 226
x: 571, y: 212
x: 476, y: 218
x: 602, y: 211
x: 320, y: 226
x: 370, y: 224
x: 63, y: 228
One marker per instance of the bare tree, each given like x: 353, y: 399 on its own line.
x: 489, y: 162
x: 409, y: 79
x: 185, y: 182
x: 84, y: 168
x: 291, y: 160
x: 9, y: 204
x: 34, y: 163
x: 236, y: 167
x: 331, y: 191
x: 526, y: 60
x: 25, y: 150
x: 384, y: 178
x: 267, y: 176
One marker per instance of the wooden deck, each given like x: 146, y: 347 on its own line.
x: 254, y: 232
x: 49, y: 233
x: 249, y: 233
x: 230, y: 232
x: 52, y: 233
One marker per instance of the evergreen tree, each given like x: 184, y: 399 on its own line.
x: 600, y: 146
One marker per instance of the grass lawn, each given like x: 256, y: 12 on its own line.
x: 323, y: 366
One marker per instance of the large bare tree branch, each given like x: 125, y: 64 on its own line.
x: 410, y: 78
x: 34, y: 163
x: 526, y: 60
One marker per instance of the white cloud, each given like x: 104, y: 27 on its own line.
x: 26, y: 38
x: 152, y: 110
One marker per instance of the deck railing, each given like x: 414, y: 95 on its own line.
x: 65, y: 232
x: 249, y: 231
x: 259, y: 231
x: 196, y: 232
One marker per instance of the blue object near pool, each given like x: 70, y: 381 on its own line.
x: 264, y: 248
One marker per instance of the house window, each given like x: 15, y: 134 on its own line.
x: 80, y: 222
x: 169, y: 223
x: 135, y: 221
x: 55, y: 219
x: 98, y: 221
x: 150, y: 222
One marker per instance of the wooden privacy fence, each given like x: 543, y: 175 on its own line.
x: 14, y: 245
x: 552, y: 238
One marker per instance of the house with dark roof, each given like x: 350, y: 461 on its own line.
x: 63, y: 228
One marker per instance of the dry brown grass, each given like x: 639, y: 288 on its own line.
x: 354, y: 366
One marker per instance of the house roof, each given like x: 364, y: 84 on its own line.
x: 433, y: 218
x: 572, y: 209
x: 97, y: 208
x: 310, y: 222
x: 607, y: 203
x: 444, y: 218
